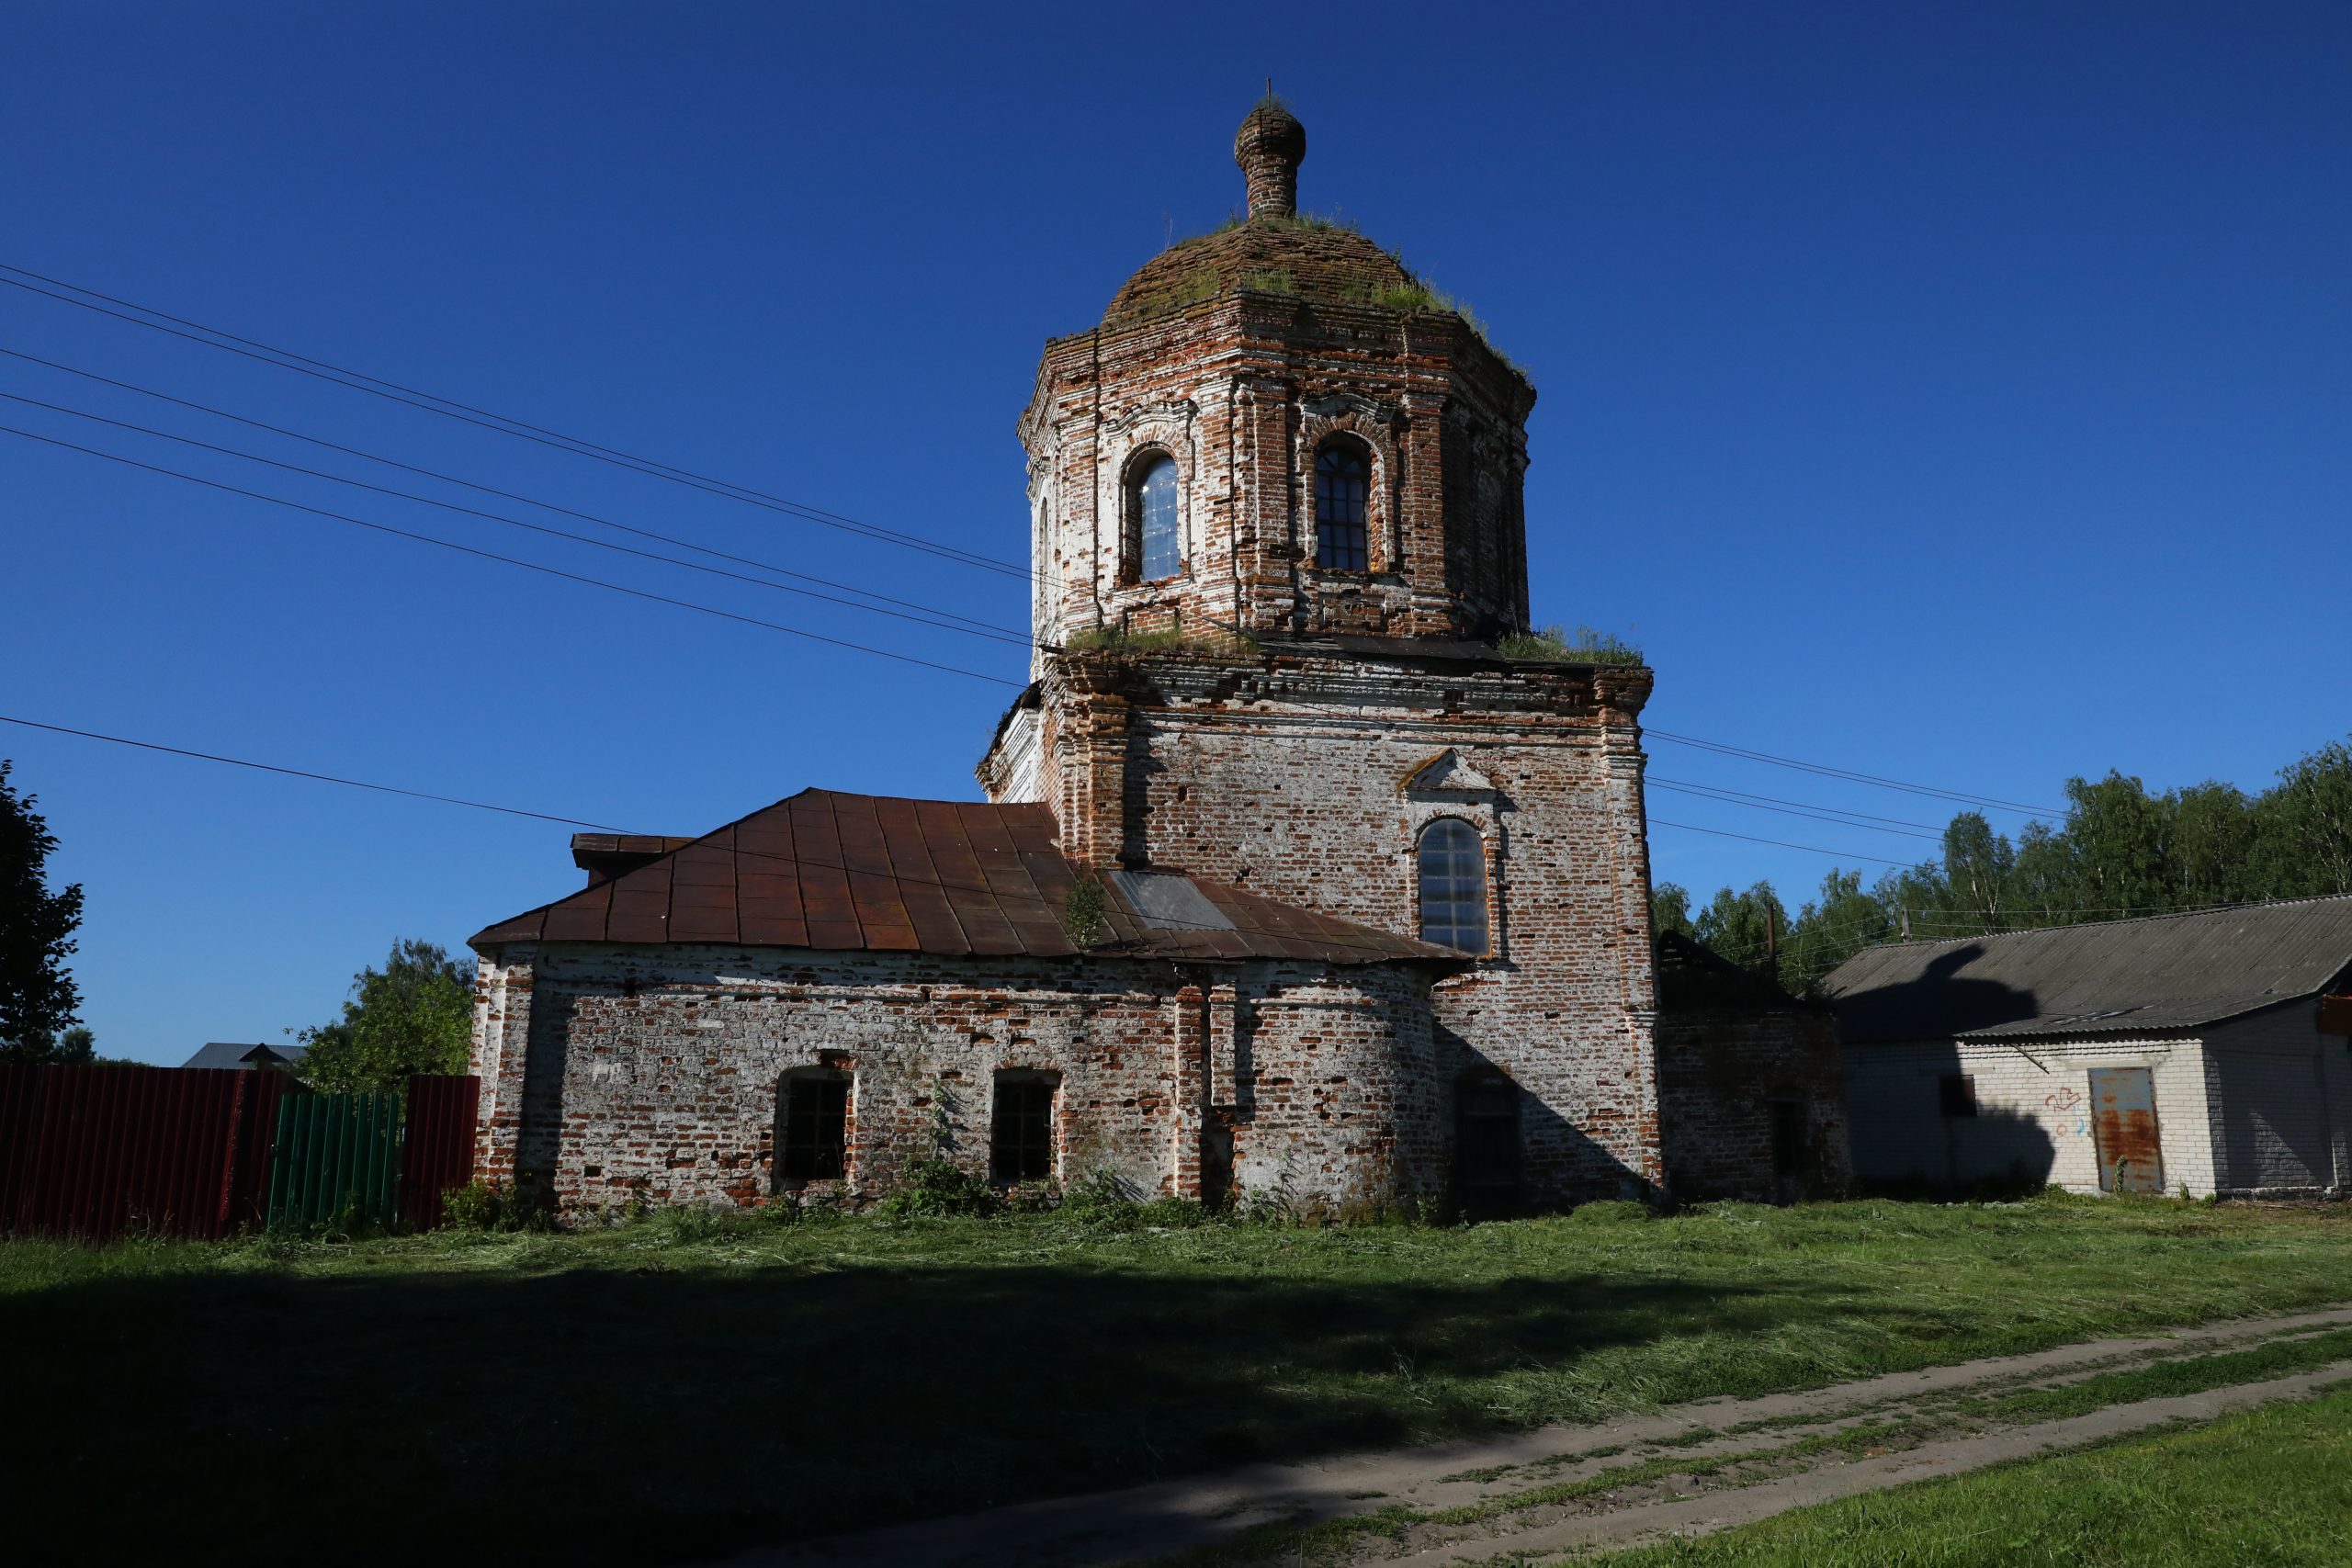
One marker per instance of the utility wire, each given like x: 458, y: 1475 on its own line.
x: 466, y: 415
x: 1860, y: 816
x: 1849, y: 773
x: 1367, y: 943
x: 514, y: 522
x: 1780, y: 843
x: 492, y: 490
x: 1704, y: 792
x: 510, y: 560
x: 303, y: 774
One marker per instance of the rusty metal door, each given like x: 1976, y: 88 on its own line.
x: 2123, y: 1119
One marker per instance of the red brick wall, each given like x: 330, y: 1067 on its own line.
x: 655, y: 1070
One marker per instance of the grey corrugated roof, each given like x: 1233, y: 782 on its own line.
x: 2159, y: 972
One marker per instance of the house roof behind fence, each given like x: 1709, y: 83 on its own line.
x: 880, y: 874
x: 2162, y: 972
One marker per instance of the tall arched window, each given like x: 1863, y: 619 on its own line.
x: 1453, y: 885
x: 1341, y: 541
x: 1152, y: 503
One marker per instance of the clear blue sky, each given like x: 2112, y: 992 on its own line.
x: 1956, y: 392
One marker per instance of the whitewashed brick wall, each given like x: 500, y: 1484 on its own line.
x: 2033, y: 1111
x: 2282, y: 1100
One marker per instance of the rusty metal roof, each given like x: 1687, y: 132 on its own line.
x: 2162, y: 972
x: 878, y: 874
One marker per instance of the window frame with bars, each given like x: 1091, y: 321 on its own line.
x: 825, y: 1154
x: 1479, y: 895
x: 1143, y: 469
x: 1342, y: 544
x: 1030, y: 1151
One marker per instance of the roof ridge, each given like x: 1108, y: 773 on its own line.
x: 2127, y: 920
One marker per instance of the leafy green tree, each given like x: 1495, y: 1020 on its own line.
x: 1670, y: 908
x: 2211, y: 845
x: 1744, y: 927
x: 2121, y: 836
x: 1831, y: 929
x: 37, y: 997
x: 1978, y: 865
x: 2042, y: 878
x: 2302, y: 828
x: 415, y: 1015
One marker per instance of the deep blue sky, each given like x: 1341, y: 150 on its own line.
x: 1959, y: 393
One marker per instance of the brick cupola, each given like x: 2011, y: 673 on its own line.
x: 1269, y: 147
x: 1277, y: 429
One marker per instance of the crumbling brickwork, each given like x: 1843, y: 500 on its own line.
x: 621, y: 1071
x: 1318, y: 683
x: 1300, y: 774
x: 1752, y: 1102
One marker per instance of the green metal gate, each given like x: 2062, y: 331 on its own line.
x: 338, y: 1160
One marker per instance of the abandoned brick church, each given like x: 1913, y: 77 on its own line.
x: 1286, y: 879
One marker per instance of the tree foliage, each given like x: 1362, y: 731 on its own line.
x: 2121, y: 851
x: 415, y: 1015
x: 37, y: 997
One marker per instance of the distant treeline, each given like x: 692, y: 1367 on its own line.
x: 2121, y: 852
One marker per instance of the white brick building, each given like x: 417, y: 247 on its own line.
x: 2205, y: 1051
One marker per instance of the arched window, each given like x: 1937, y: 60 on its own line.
x: 1341, y: 541
x: 1454, y: 886
x: 1151, y: 504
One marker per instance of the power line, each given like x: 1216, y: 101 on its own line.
x: 303, y: 774
x: 492, y: 490
x: 514, y: 522
x: 1849, y: 773
x: 1781, y: 844
x: 1723, y: 797
x: 510, y: 560
x: 1861, y: 817
x: 894, y: 875
x: 465, y: 414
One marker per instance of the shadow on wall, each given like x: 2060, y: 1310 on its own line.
x: 1976, y: 1152
x: 1938, y: 1005
x: 615, y: 1415
x: 1509, y: 1153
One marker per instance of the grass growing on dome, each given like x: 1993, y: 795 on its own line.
x: 1561, y: 645
x: 1118, y: 639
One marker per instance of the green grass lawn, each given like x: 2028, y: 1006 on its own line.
x: 2271, y: 1488
x: 652, y: 1394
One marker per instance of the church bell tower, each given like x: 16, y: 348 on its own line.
x: 1279, y: 538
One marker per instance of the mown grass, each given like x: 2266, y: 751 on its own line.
x: 661, y: 1392
x: 2271, y: 1487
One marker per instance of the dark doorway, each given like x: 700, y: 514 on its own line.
x: 1792, y: 1171
x: 1486, y: 1144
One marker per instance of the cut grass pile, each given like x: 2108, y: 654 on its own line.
x: 657, y: 1392
x: 2270, y: 1486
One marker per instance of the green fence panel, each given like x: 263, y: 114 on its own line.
x: 337, y: 1155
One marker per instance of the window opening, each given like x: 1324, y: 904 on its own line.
x: 1454, y: 886
x: 1155, y: 505
x: 1788, y: 1138
x: 1021, y: 1133
x: 1341, y: 541
x: 813, y: 1143
x: 1956, y: 1094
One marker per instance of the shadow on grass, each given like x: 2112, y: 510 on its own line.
x: 602, y: 1415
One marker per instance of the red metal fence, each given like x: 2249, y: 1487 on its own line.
x: 97, y: 1152
x: 438, y: 1147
